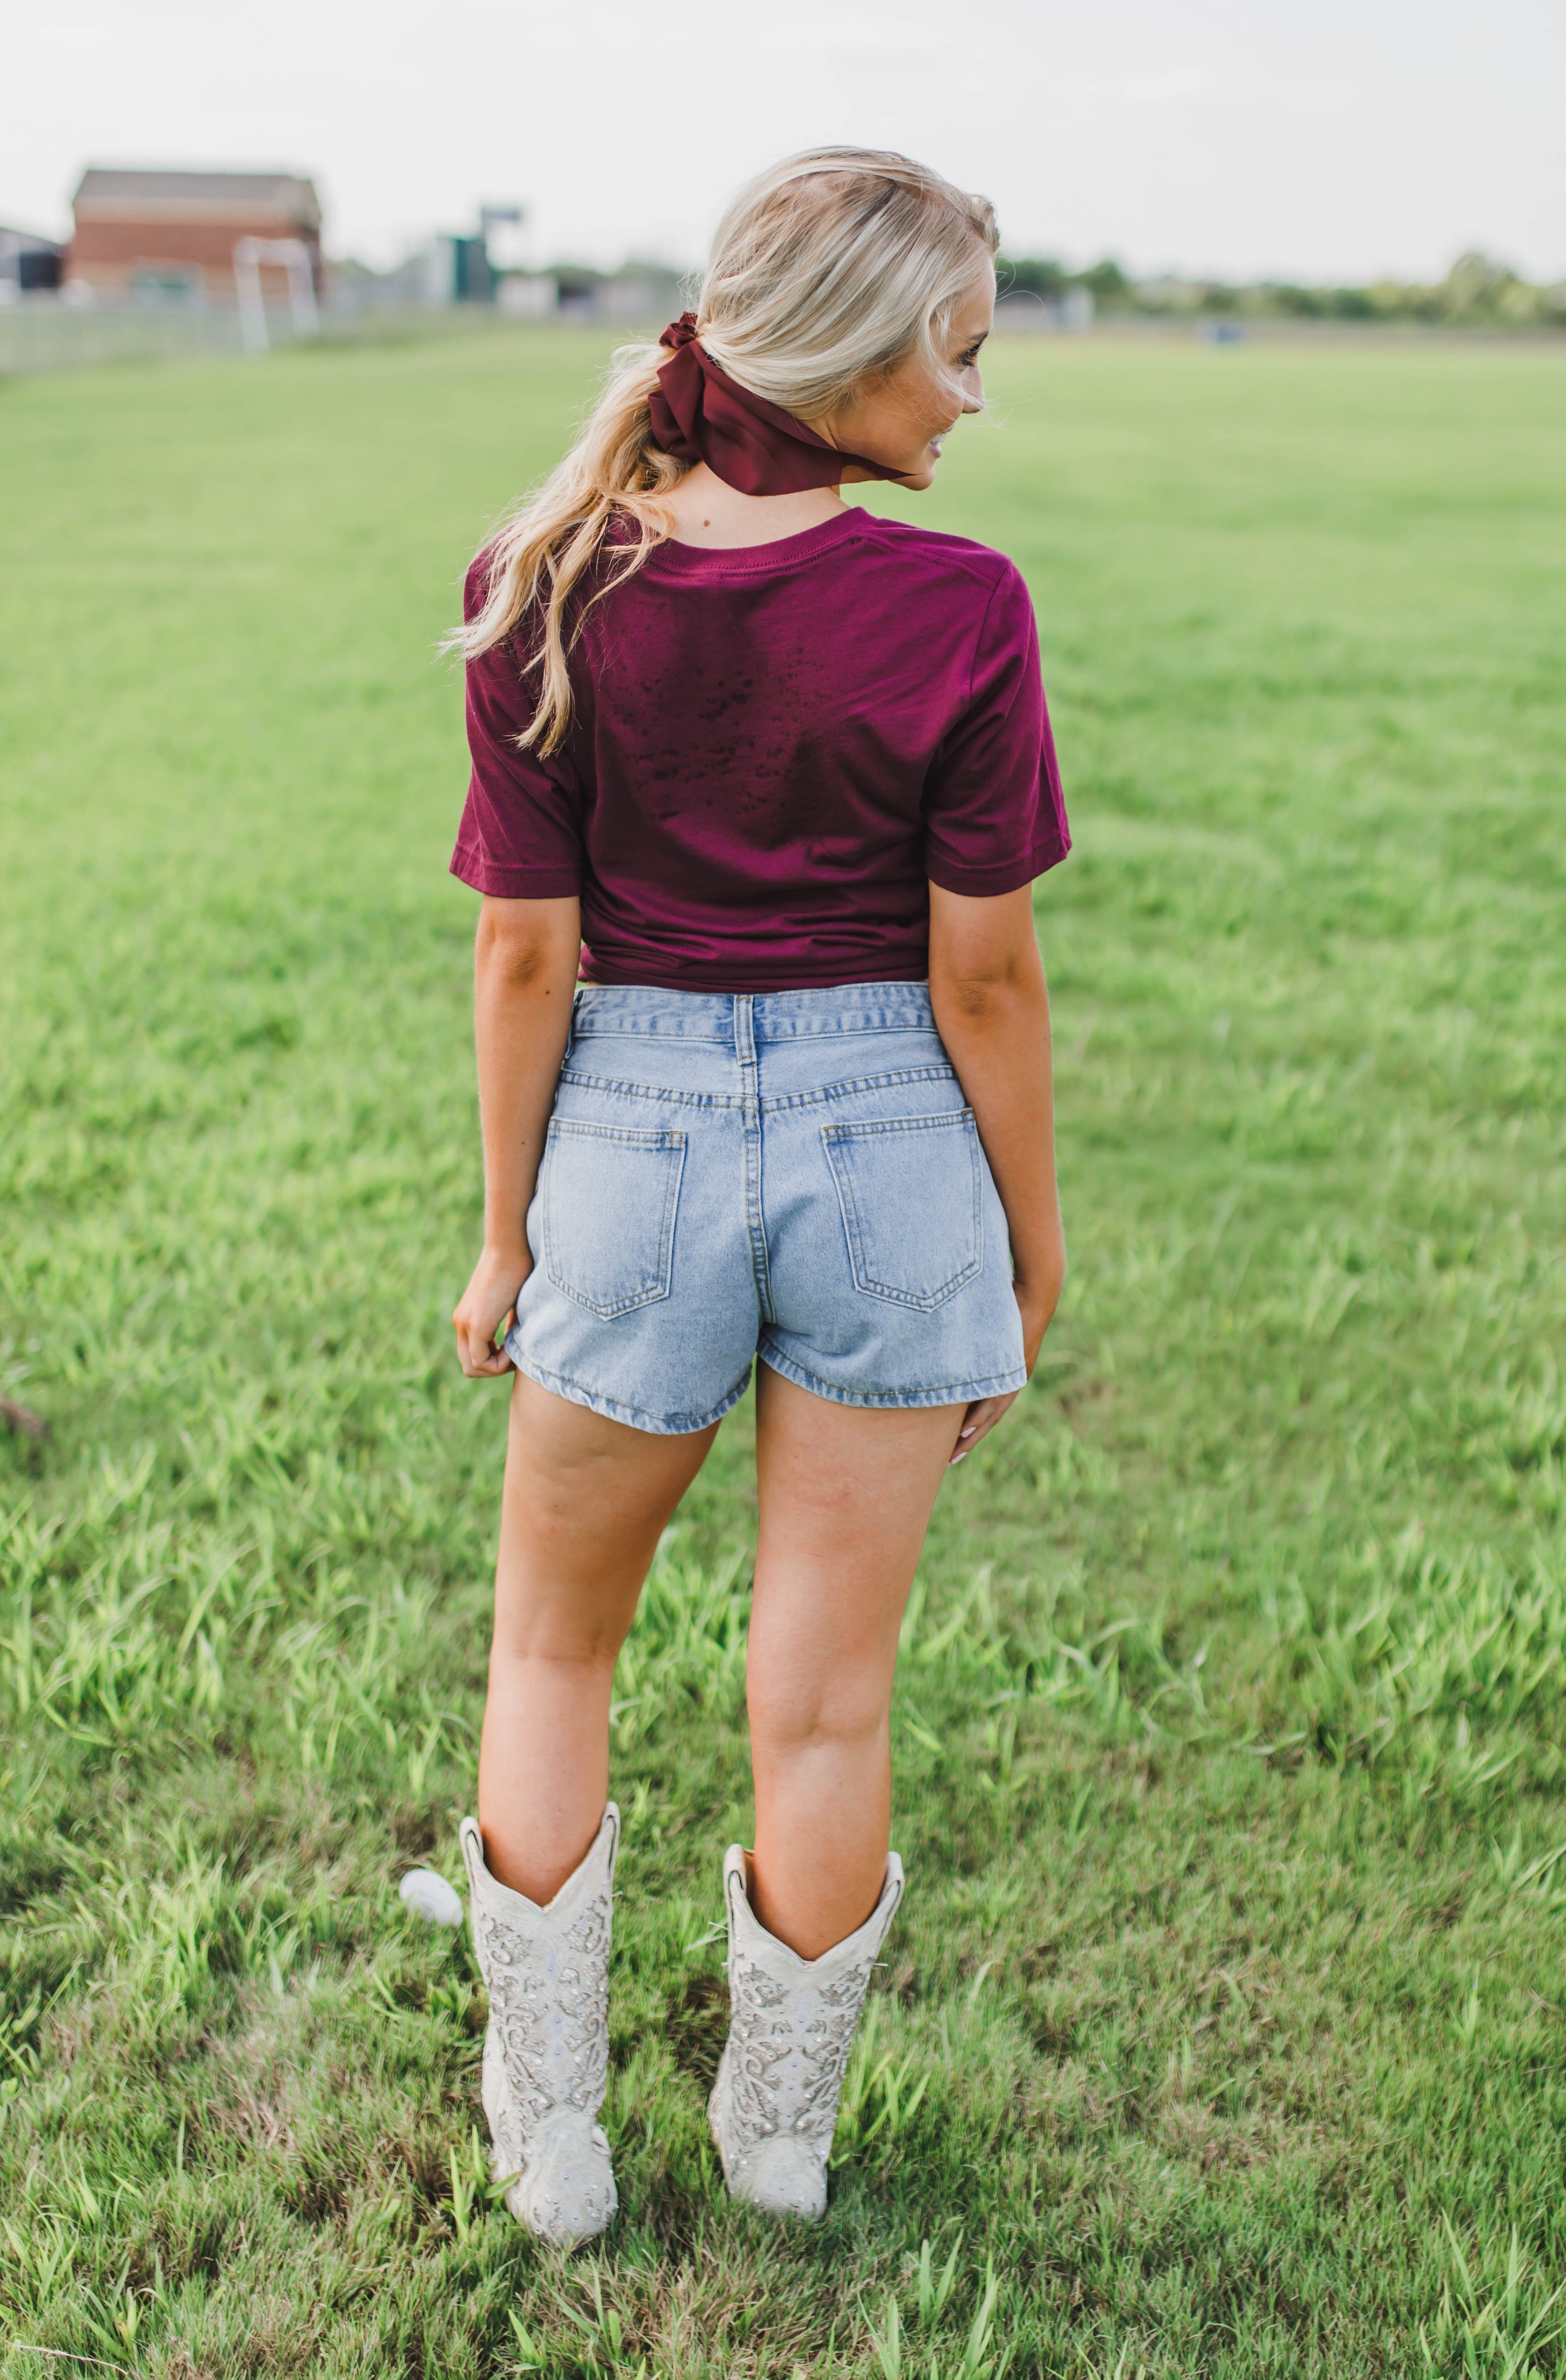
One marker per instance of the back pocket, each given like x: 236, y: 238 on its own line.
x: 610, y: 1196
x: 911, y: 1195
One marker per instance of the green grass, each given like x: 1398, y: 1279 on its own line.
x: 1225, y: 2032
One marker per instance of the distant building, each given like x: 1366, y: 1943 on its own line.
x: 28, y: 261
x: 457, y: 270
x: 172, y: 235
x: 643, y: 295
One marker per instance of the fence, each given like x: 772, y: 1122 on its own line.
x: 42, y: 335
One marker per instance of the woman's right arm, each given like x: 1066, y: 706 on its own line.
x: 992, y: 1010
x: 525, y: 957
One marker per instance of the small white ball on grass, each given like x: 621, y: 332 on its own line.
x: 430, y: 1896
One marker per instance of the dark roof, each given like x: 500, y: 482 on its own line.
x: 25, y: 243
x: 115, y: 184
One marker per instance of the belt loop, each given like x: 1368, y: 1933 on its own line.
x: 745, y: 1028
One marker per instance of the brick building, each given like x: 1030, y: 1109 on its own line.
x: 172, y: 235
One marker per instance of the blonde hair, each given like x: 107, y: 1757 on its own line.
x: 827, y: 272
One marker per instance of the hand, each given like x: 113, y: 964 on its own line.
x: 982, y: 1415
x: 486, y: 1310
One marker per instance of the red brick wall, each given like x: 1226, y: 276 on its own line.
x: 108, y: 253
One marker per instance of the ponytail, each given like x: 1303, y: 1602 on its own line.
x: 538, y: 558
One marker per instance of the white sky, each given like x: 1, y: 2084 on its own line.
x: 1335, y: 141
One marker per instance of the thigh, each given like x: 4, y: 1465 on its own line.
x: 845, y: 1495
x: 586, y: 1501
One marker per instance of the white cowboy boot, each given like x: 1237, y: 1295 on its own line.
x: 790, y: 2027
x: 546, y: 2050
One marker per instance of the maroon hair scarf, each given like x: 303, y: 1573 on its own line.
x: 699, y: 415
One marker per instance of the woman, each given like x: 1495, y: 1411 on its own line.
x: 772, y: 777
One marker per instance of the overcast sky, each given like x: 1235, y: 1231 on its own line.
x: 1336, y: 141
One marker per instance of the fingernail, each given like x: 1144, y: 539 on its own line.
x: 958, y: 1458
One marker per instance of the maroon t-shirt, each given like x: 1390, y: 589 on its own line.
x: 772, y: 748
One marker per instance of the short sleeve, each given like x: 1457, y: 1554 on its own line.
x: 521, y: 836
x: 994, y: 814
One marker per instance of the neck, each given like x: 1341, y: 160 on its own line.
x: 704, y: 510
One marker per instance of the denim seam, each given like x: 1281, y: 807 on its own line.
x: 911, y: 1020
x: 873, y: 1127
x: 627, y: 1134
x: 955, y: 1392
x: 646, y: 1090
x: 744, y: 1050
x: 842, y: 1028
x: 892, y: 1007
x: 647, y: 1029
x: 614, y: 1409
x: 855, y: 1084
x: 774, y: 1104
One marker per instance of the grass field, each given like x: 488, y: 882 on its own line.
x: 1225, y: 2032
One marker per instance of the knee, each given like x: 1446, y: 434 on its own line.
x: 794, y: 1715
x: 571, y: 1653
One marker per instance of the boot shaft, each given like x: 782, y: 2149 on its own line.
x: 546, y: 1970
x: 774, y: 2106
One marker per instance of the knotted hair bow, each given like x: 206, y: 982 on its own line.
x: 699, y: 415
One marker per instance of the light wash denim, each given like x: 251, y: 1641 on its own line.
x: 787, y: 1174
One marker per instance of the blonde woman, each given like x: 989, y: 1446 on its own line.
x: 761, y: 783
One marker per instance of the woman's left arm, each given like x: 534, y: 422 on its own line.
x: 992, y: 1011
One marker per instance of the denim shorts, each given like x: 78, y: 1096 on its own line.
x: 790, y: 1174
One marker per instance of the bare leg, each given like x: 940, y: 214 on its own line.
x: 845, y: 1498
x: 586, y: 1501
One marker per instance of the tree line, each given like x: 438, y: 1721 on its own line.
x: 1478, y: 291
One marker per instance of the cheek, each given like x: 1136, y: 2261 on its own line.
x: 906, y: 429
x: 940, y: 402
x: 904, y: 417
x: 952, y: 398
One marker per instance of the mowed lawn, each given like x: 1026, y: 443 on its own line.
x: 1225, y: 2030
